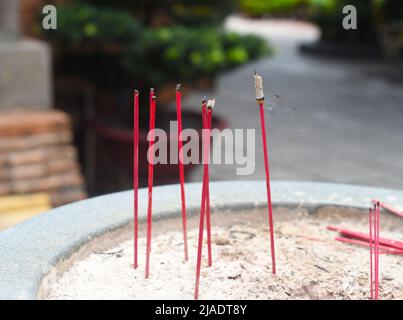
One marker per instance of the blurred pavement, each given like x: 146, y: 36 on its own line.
x: 348, y: 126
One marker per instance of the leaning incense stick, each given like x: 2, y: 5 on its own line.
x: 181, y: 168
x: 382, y: 249
x: 206, y: 120
x: 389, y: 208
x: 136, y: 175
x: 150, y: 179
x: 206, y: 148
x: 201, y: 222
x: 363, y: 236
x: 260, y: 102
x: 209, y: 115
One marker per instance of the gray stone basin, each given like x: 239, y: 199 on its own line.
x: 29, y: 250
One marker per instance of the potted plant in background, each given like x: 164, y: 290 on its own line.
x: 147, y: 45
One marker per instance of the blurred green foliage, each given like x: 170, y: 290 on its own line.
x: 78, y: 23
x: 327, y: 14
x: 273, y: 7
x: 178, y: 12
x: 188, y: 54
x: 110, y: 47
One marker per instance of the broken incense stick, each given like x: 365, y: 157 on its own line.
x: 205, y: 143
x: 260, y: 102
x: 150, y: 179
x: 136, y: 175
x: 181, y: 168
x: 363, y: 236
x: 383, y: 249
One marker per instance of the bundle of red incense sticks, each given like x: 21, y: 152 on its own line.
x: 207, y: 111
x: 376, y: 244
x: 150, y: 156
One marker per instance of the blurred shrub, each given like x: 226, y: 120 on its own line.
x: 168, y: 12
x: 78, y: 23
x: 186, y: 55
x: 109, y: 47
x: 200, y: 13
x: 273, y: 7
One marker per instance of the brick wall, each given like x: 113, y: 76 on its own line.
x: 37, y: 155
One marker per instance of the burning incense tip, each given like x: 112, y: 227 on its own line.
x: 178, y: 87
x: 258, y: 87
x: 211, y: 103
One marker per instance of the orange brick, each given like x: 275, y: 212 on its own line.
x: 27, y: 172
x: 46, y: 155
x: 16, y: 123
x: 47, y: 183
x: 35, y: 140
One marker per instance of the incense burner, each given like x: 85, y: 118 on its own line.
x: 31, y: 250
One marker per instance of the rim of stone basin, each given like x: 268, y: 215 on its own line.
x: 30, y: 250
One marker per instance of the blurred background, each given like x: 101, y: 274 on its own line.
x: 66, y: 94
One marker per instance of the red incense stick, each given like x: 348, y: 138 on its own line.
x: 209, y: 116
x: 389, y: 208
x: 181, y: 168
x: 206, y: 117
x: 206, y: 147
x: 201, y: 222
x: 363, y: 236
x: 150, y: 178
x: 136, y: 175
x: 377, y: 223
x: 260, y: 101
x: 384, y: 249
x: 371, y: 269
x: 374, y: 250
